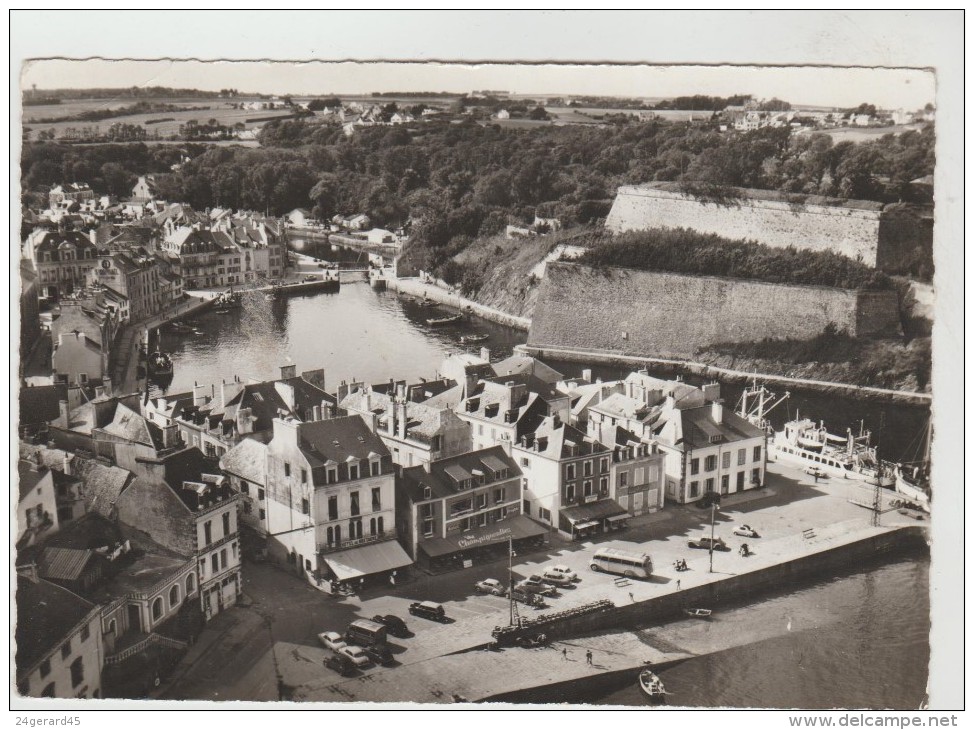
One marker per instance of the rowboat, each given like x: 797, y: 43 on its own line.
x: 440, y: 321
x: 652, y: 686
x: 471, y: 338
x: 698, y: 612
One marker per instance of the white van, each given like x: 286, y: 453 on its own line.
x: 620, y: 562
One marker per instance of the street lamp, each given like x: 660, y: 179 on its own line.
x: 714, y: 501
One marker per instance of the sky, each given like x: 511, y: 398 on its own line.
x: 889, y: 88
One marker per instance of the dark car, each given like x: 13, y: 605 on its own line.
x: 395, y: 626
x: 428, y: 609
x: 706, y: 543
x: 530, y: 599
x: 341, y: 664
x: 380, y: 654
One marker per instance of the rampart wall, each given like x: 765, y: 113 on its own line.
x: 646, y: 313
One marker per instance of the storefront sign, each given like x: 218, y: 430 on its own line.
x: 472, y: 541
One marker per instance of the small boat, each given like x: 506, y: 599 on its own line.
x: 228, y: 301
x: 180, y: 328
x: 698, y: 612
x: 426, y: 302
x: 652, y: 686
x: 472, y: 338
x: 159, y: 365
x: 440, y: 321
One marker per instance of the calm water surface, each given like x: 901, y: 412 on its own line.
x: 855, y: 641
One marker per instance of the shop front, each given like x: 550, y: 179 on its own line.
x: 481, y: 544
x: 585, y: 520
x: 357, y: 567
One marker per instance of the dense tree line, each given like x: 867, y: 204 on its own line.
x: 456, y: 182
x: 689, y: 252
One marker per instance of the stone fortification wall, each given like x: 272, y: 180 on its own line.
x: 817, y: 224
x: 660, y: 314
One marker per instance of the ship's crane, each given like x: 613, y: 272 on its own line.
x: 754, y: 405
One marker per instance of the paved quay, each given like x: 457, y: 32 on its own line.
x: 276, y: 634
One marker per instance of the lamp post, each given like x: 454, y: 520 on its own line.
x: 510, y: 575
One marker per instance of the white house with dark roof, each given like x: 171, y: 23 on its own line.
x: 331, y: 500
x: 246, y: 467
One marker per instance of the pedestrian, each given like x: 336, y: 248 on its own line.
x: 632, y: 597
x: 588, y: 656
x: 564, y: 652
x: 678, y: 584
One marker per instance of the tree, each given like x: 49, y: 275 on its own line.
x: 538, y: 113
x: 324, y: 195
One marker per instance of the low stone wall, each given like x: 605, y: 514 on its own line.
x: 647, y: 313
x: 417, y: 288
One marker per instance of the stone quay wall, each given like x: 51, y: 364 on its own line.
x: 645, y: 313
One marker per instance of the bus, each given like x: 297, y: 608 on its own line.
x: 631, y: 565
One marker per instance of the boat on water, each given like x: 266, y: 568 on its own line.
x: 228, y: 301
x: 805, y: 443
x: 440, y: 321
x: 698, y: 612
x: 181, y: 328
x: 652, y: 686
x: 913, y: 477
x: 474, y: 337
x: 427, y: 302
x: 159, y: 365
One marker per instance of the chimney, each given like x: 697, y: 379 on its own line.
x: 64, y: 417
x: 717, y: 411
x: 587, y: 375
x: 288, y: 371
x: 106, y: 383
x: 711, y: 392
x: 286, y: 431
x: 199, y: 395
x: 99, y: 391
x: 485, y: 353
x: 66, y: 464
x: 245, y: 421
x: 400, y: 407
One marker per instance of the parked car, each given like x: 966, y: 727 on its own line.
x: 815, y: 471
x: 531, y: 599
x: 534, y: 584
x: 746, y: 531
x: 356, y: 654
x: 331, y: 640
x: 491, y: 586
x: 564, y: 570
x: 707, y: 542
x: 311, y: 277
x: 380, y: 654
x: 428, y: 609
x: 554, y: 578
x: 394, y: 625
x: 341, y: 664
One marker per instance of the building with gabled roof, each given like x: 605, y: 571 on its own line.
x: 62, y: 260
x: 462, y: 507
x: 330, y: 489
x: 37, y: 514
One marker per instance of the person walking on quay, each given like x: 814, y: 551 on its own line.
x: 588, y: 656
x: 564, y: 653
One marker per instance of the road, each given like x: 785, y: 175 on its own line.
x: 243, y: 651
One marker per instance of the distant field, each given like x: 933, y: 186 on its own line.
x: 865, y: 134
x: 72, y: 108
x: 219, y: 109
x: 670, y: 115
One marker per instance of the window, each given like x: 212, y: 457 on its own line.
x: 247, y: 508
x: 263, y: 515
x: 741, y: 457
x: 740, y: 481
x: 711, y: 462
x: 353, y: 496
x: 190, y: 583
x: 499, y: 495
x: 77, y: 672
x: 427, y: 510
x: 85, y: 632
x: 465, y: 524
x: 482, y: 519
x: 623, y: 479
x: 66, y: 649
x: 694, y: 489
x: 724, y: 483
x: 215, y: 562
x: 710, y: 485
x: 157, y: 608
x: 427, y: 528
x: 333, y: 508
x: 375, y: 467
x: 354, y: 529
x: 287, y: 469
x: 260, y: 494
x: 725, y: 460
x: 604, y: 485
x: 757, y: 453
x: 372, y: 527
x: 603, y: 466
x: 173, y: 596
x: 525, y: 462
x: 694, y: 466
x: 570, y: 471
x: 756, y: 477
x: 376, y: 499
x: 587, y: 468
x: 226, y: 524
x: 305, y: 506
x: 244, y: 487
x: 45, y: 668
x: 207, y: 532
x: 587, y: 488
x: 223, y: 558
x: 112, y: 627
x: 304, y: 476
x: 233, y: 548
x: 570, y: 493
x: 353, y: 471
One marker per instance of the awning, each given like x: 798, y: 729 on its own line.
x: 616, y: 518
x: 366, y: 560
x: 600, y: 510
x: 512, y: 528
x: 584, y: 525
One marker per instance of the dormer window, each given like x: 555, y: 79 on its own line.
x: 427, y: 493
x: 716, y: 439
x: 331, y: 475
x: 353, y: 470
